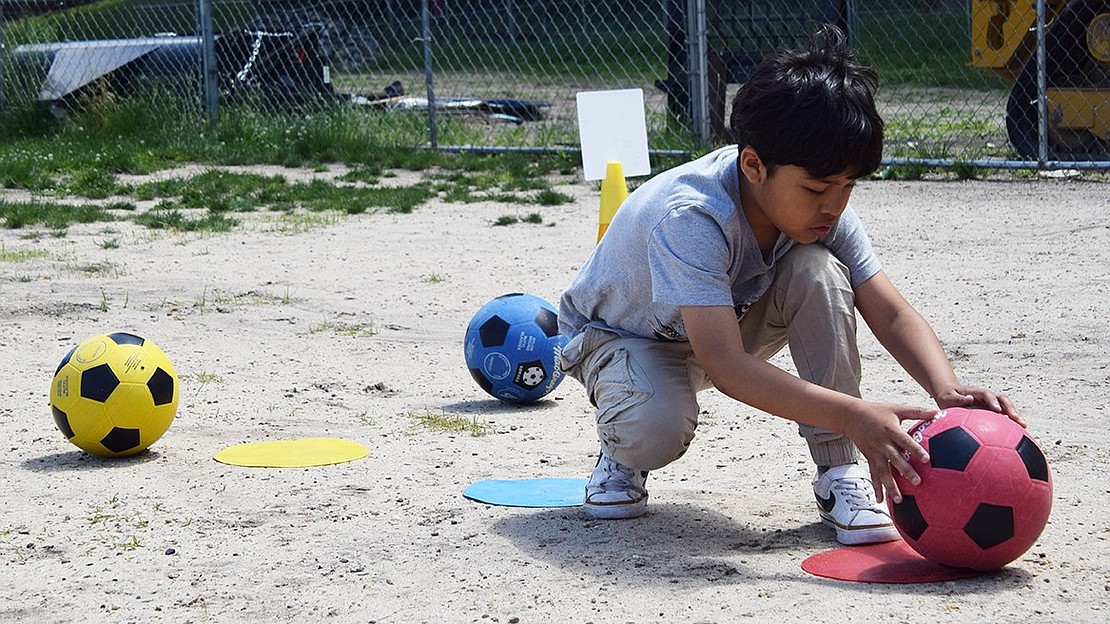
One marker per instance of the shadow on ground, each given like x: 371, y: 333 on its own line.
x: 684, y: 543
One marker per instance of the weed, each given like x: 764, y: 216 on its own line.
x: 206, y: 378
x: 351, y: 330
x: 965, y: 171
x: 902, y: 172
x: 56, y: 216
x: 21, y: 255
x: 100, y: 269
x: 548, y: 197
x: 450, y: 423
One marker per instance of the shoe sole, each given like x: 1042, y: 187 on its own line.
x: 616, y: 511
x: 870, y: 535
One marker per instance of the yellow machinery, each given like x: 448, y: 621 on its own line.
x: 1077, y: 72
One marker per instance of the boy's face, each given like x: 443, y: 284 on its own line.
x: 793, y: 202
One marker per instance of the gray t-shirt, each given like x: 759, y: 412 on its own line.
x: 681, y: 239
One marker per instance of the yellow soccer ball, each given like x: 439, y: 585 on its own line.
x: 114, y: 394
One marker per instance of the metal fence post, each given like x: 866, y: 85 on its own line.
x: 697, y: 45
x: 852, y: 20
x: 2, y: 52
x: 426, y: 37
x: 208, y: 59
x: 510, y: 18
x: 1042, y: 88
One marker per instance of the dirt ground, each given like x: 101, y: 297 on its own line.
x: 353, y: 328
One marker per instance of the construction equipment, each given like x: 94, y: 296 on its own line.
x: 1077, y: 72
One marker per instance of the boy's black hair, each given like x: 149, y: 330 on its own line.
x: 812, y: 108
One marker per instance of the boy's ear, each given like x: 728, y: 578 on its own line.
x: 751, y: 165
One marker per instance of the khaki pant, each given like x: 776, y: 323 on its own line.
x: 645, y: 390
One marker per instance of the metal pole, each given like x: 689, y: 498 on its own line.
x: 426, y: 37
x: 1042, y: 88
x: 510, y: 18
x: 2, y: 48
x: 697, y: 45
x: 208, y: 59
x: 853, y: 22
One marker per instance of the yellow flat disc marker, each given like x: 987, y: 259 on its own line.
x: 292, y: 453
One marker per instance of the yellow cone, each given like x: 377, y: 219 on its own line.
x: 613, y: 192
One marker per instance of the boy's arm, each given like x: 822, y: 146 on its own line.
x: 874, y: 427
x: 909, y: 338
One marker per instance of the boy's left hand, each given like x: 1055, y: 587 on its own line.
x: 970, y: 396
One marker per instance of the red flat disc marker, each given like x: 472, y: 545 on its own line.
x: 889, y: 562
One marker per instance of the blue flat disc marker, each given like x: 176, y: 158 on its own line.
x: 528, y: 492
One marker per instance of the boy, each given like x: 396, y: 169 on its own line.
x: 709, y: 269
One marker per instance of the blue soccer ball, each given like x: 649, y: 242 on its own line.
x: 511, y: 348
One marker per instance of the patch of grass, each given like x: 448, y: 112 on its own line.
x: 351, y: 330
x: 434, y: 278
x: 297, y: 222
x: 223, y: 192
x: 224, y: 301
x: 901, y: 172
x: 499, y: 180
x: 965, y: 171
x: 56, y: 216
x: 99, y: 269
x: 120, y: 526
x: 203, y: 378
x: 21, y: 255
x: 367, y: 174
x: 534, y: 218
x: 165, y: 218
x: 450, y: 423
x: 549, y: 197
x: 92, y: 184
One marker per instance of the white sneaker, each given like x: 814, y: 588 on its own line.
x: 846, y: 502
x: 615, y: 491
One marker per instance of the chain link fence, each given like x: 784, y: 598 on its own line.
x: 961, y: 81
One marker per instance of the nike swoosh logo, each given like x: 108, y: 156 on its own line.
x: 826, y: 503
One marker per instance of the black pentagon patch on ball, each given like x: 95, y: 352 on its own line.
x: 65, y: 360
x: 120, y: 439
x: 124, y: 338
x: 548, y: 321
x: 990, y: 525
x: 98, y: 383
x: 1033, y: 459
x: 161, y: 387
x: 952, y: 449
x: 908, y: 517
x: 484, y: 383
x: 62, y: 420
x: 493, y: 332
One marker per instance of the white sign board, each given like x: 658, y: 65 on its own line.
x: 613, y: 128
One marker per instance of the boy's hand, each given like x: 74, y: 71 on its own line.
x: 970, y: 396
x: 880, y: 438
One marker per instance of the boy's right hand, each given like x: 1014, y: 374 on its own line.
x: 879, y: 436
